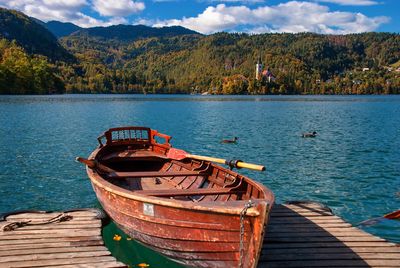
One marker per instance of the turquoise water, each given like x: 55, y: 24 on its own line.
x: 353, y: 165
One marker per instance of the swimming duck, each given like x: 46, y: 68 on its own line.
x: 230, y: 141
x: 309, y: 134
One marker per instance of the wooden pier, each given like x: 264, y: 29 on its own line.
x: 309, y: 235
x: 58, y: 239
x: 298, y: 235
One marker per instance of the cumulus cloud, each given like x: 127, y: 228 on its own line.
x: 66, y: 11
x: 350, y: 2
x: 291, y: 17
x: 237, y: 1
x: 117, y: 7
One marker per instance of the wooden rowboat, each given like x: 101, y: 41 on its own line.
x: 193, y: 211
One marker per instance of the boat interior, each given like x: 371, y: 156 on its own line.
x: 133, y: 158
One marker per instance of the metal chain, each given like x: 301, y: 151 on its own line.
x: 241, y: 246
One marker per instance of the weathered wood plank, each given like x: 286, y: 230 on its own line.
x: 48, y: 250
x: 318, y: 233
x: 54, y: 262
x: 298, y: 217
x: 337, y: 244
x: 332, y: 250
x: 310, y: 229
x: 330, y: 263
x: 303, y: 206
x: 54, y: 256
x: 50, y: 235
x: 301, y: 220
x: 44, y: 219
x: 94, y: 225
x: 305, y: 214
x: 300, y: 210
x: 50, y: 215
x: 49, y: 240
x: 301, y: 225
x: 52, y: 245
x: 323, y: 239
x: 68, y: 232
x: 109, y: 264
x: 71, y: 222
x: 332, y: 256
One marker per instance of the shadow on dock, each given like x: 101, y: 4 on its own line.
x: 309, y: 235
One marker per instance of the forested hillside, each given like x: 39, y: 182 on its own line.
x: 225, y: 63
x: 140, y: 59
x: 60, y: 29
x: 31, y: 35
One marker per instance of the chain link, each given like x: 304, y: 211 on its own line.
x: 241, y: 245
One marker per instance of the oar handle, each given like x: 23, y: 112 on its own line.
x: 239, y: 164
x: 250, y: 166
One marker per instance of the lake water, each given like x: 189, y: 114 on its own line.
x: 353, y: 165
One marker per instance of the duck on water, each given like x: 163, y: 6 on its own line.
x: 234, y: 140
x: 309, y: 134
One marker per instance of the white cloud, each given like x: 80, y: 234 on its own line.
x: 117, y: 7
x: 350, y: 2
x: 292, y: 17
x: 65, y: 3
x: 238, y: 1
x: 61, y: 10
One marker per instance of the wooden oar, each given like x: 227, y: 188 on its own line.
x: 395, y: 215
x: 178, y: 154
x: 94, y: 164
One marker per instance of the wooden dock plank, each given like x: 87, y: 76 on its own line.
x: 274, y: 251
x: 109, y: 264
x: 333, y: 256
x: 35, y: 250
x: 53, y: 256
x: 55, y: 262
x: 331, y: 263
x: 57, y: 234
x: 309, y: 235
x: 335, y: 244
x: 75, y: 241
x: 49, y: 240
x: 53, y: 245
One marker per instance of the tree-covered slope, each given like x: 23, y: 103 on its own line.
x: 30, y: 35
x: 301, y: 63
x: 21, y: 73
x: 131, y: 32
x: 60, y: 29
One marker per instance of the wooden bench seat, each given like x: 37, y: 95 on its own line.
x: 189, y: 192
x: 137, y: 154
x: 144, y: 174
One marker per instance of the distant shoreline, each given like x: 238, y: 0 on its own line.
x: 194, y: 95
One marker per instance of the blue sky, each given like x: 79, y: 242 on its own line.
x: 209, y: 16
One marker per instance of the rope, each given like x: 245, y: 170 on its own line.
x: 15, y: 225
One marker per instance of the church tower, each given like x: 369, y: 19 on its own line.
x: 259, y: 67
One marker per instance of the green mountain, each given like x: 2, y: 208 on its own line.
x: 128, y: 33
x: 60, y: 29
x: 30, y: 35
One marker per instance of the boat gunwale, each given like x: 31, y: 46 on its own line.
x: 209, y: 206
